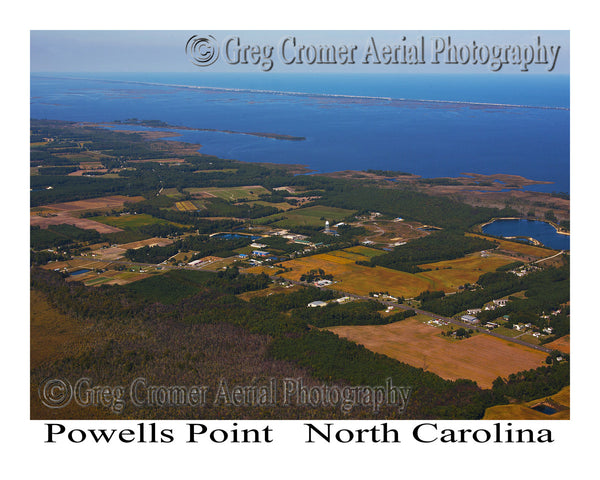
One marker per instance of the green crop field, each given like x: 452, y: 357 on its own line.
x: 130, y: 221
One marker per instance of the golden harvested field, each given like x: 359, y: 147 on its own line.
x: 523, y: 411
x: 357, y: 279
x: 186, y: 206
x: 481, y: 358
x: 562, y: 344
x: 267, y: 269
x: 528, y: 250
x: 450, y: 274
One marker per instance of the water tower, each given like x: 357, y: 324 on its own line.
x: 326, y: 226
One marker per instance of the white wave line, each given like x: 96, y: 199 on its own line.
x: 324, y: 95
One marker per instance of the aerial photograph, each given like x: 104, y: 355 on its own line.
x: 295, y: 225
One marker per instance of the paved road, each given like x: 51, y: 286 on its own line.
x: 548, y: 258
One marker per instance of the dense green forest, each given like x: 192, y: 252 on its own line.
x: 410, y: 205
x: 60, y: 235
x: 353, y: 313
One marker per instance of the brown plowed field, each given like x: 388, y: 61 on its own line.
x: 481, y: 358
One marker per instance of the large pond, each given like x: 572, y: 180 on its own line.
x: 541, y: 231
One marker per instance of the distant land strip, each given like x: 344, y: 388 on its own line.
x: 321, y: 95
x: 162, y: 125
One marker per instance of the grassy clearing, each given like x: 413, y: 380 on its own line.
x: 365, y: 251
x: 508, y: 332
x: 281, y: 206
x: 310, y: 216
x: 231, y: 193
x: 172, y: 193
x: 131, y: 221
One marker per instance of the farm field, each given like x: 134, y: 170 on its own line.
x: 66, y: 213
x: 109, y: 202
x: 61, y: 218
x: 114, y: 277
x: 357, y: 279
x: 230, y: 193
x: 267, y: 269
x: 309, y: 216
x: 365, y: 251
x: 171, y: 192
x: 523, y: 411
x: 76, y: 264
x: 116, y: 252
x: 562, y: 344
x: 186, y: 206
x: 131, y: 221
x: 448, y: 275
x: 517, y: 247
x: 481, y: 358
x: 281, y: 206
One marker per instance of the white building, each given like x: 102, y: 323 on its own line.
x: 317, y: 303
x: 469, y: 319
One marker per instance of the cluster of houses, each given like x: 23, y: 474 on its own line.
x: 471, y: 316
x: 524, y: 270
x: 437, y: 322
x: 384, y: 296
